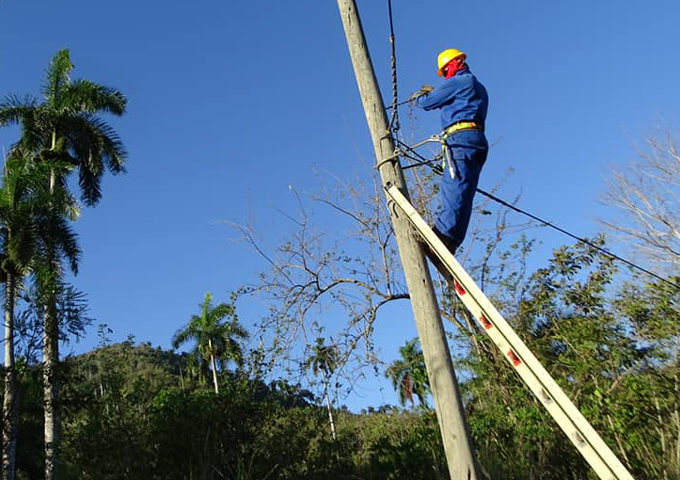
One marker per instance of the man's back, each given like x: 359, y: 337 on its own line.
x: 462, y: 98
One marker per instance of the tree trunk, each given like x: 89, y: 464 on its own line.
x: 50, y: 360
x: 662, y: 438
x: 10, y: 407
x: 330, y: 413
x: 676, y: 415
x: 214, y: 366
x: 50, y: 391
x: 448, y: 404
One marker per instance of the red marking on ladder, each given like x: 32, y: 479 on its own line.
x: 459, y: 289
x: 485, y: 321
x: 513, y: 358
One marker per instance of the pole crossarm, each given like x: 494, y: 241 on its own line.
x: 588, y: 442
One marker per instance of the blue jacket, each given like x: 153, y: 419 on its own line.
x: 461, y: 98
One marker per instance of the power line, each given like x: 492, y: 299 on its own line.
x: 438, y: 171
x: 590, y: 244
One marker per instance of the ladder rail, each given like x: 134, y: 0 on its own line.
x: 579, y: 431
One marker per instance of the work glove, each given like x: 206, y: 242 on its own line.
x: 424, y: 90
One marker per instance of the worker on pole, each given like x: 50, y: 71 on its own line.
x: 462, y: 101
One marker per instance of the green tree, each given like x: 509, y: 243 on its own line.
x: 216, y: 341
x: 25, y: 207
x: 65, y: 127
x: 408, y: 374
x: 611, y: 349
x: 16, y: 236
x: 324, y: 360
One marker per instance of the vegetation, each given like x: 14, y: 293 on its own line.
x: 323, y: 361
x: 64, y: 133
x: 216, y: 341
x: 132, y: 411
x: 408, y: 374
x: 611, y: 340
x: 127, y: 416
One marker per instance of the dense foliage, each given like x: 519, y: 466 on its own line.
x: 613, y: 350
x: 131, y: 412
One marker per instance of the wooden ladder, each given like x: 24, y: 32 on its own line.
x: 568, y: 417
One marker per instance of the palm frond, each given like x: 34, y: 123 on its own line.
x: 46, y: 274
x: 238, y: 331
x: 13, y: 109
x: 67, y: 242
x: 90, y: 183
x: 95, y: 146
x: 183, y: 336
x: 324, y: 358
x: 57, y: 76
x: 220, y: 311
x: 86, y: 96
x: 22, y: 204
x: 33, y: 119
x: 233, y: 351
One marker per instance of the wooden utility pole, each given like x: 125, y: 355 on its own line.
x: 448, y: 404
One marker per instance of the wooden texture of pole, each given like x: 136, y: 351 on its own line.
x: 448, y: 404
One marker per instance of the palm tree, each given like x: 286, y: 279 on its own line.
x: 25, y: 204
x: 216, y: 341
x: 16, y: 243
x: 409, y: 375
x: 65, y: 127
x: 324, y: 360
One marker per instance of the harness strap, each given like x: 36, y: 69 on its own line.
x: 457, y: 127
x: 448, y: 131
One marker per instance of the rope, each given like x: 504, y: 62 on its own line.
x: 394, y: 120
x: 390, y: 107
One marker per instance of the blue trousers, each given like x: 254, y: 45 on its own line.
x: 467, y: 150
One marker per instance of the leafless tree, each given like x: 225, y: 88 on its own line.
x: 341, y: 262
x: 647, y: 194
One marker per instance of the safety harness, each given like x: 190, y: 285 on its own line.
x: 457, y: 127
x: 448, y: 131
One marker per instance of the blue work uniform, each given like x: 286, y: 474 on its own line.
x: 461, y: 98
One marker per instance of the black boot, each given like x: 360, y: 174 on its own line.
x: 446, y: 240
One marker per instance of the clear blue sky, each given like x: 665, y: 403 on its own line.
x: 232, y: 102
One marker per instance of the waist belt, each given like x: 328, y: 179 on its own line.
x: 457, y: 127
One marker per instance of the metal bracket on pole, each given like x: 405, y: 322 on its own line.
x: 398, y: 152
x: 564, y: 412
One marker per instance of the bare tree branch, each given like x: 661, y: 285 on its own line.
x: 646, y: 194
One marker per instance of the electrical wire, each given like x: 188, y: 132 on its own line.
x: 438, y: 171
x: 565, y: 232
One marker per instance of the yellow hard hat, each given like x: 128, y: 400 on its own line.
x: 445, y: 57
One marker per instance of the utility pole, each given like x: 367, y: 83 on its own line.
x: 448, y: 404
